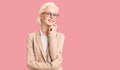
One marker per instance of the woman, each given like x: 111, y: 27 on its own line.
x: 44, y: 48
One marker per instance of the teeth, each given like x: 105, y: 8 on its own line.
x: 51, y: 21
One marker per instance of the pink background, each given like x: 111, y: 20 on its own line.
x: 91, y: 28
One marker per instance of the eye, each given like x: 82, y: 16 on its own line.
x: 55, y: 14
x: 48, y: 13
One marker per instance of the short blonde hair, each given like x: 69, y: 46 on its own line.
x: 42, y: 9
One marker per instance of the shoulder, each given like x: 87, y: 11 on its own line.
x: 32, y: 35
x: 60, y: 35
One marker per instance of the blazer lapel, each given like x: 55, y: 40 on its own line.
x: 39, y: 41
x: 48, y: 54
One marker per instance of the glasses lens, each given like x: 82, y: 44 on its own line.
x: 49, y: 14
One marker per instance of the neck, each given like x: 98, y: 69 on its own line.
x: 44, y: 28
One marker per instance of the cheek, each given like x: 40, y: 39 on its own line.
x: 55, y: 20
x: 45, y: 19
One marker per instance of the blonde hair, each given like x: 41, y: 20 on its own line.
x: 42, y: 9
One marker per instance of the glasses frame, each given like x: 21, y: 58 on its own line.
x: 49, y: 14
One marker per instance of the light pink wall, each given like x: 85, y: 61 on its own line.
x: 91, y: 28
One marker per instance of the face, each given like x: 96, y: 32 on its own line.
x: 49, y: 16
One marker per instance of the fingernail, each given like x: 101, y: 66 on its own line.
x: 50, y: 29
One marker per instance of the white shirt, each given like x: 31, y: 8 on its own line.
x: 44, y: 39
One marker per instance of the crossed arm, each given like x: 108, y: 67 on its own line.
x: 55, y: 51
x: 56, y: 46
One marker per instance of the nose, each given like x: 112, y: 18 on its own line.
x: 51, y: 15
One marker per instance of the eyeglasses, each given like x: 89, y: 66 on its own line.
x: 49, y: 14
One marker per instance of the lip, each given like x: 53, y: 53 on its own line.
x: 51, y: 21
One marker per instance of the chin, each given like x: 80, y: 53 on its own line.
x: 50, y: 23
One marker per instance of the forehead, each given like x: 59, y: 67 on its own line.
x: 51, y: 9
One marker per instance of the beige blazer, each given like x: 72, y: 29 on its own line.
x: 36, y: 60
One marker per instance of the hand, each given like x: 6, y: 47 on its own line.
x: 53, y: 28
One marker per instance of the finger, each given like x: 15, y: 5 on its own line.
x: 55, y: 25
x: 50, y: 29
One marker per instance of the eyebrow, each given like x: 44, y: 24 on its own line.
x: 50, y: 12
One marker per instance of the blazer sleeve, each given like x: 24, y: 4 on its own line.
x: 56, y: 47
x: 31, y: 62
